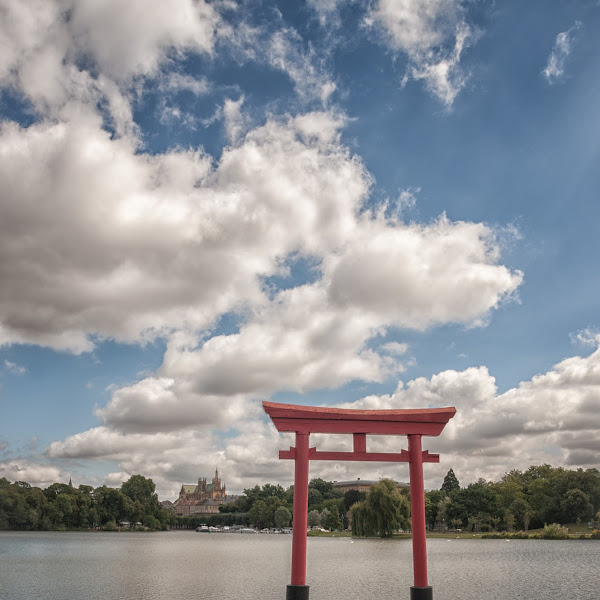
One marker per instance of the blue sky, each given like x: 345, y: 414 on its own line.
x: 385, y: 204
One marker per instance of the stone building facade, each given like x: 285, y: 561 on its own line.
x: 204, y: 498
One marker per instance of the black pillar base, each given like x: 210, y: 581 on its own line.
x: 421, y: 593
x: 296, y: 592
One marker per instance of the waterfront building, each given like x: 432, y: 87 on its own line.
x: 201, y: 499
x: 361, y: 485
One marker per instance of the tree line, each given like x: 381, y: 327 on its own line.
x: 519, y: 501
x: 271, y: 506
x: 61, y: 506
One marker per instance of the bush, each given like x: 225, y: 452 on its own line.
x: 596, y: 534
x: 151, y: 522
x: 555, y: 532
x: 509, y: 535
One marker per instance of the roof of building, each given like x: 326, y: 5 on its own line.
x: 357, y: 482
x: 354, y: 482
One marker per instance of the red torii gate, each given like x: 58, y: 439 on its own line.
x: 414, y: 423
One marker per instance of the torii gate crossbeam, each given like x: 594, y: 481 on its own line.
x: 414, y: 423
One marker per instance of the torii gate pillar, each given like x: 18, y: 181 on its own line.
x: 414, y: 423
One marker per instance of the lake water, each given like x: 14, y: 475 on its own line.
x: 180, y: 565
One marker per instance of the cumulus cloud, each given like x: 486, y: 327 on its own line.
x: 433, y: 35
x: 316, y: 335
x: 248, y: 457
x: 417, y: 276
x: 57, y: 52
x: 34, y: 473
x: 551, y: 418
x: 555, y: 69
x: 99, y: 239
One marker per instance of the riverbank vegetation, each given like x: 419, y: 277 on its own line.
x: 519, y: 502
x: 60, y: 506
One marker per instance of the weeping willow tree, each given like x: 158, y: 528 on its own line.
x: 382, y: 513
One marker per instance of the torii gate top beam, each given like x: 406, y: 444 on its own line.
x: 315, y: 419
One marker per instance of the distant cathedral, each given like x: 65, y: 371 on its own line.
x: 204, y: 498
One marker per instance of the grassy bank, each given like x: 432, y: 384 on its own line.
x: 575, y: 531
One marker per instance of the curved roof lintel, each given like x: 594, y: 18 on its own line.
x: 294, y: 417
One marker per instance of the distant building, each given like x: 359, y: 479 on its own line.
x: 360, y: 485
x: 204, y: 498
x: 167, y: 504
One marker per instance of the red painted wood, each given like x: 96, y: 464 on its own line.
x: 367, y: 427
x: 416, y: 415
x: 403, y: 456
x: 315, y: 419
x: 417, y: 510
x: 360, y: 442
x: 300, y: 510
x: 308, y: 419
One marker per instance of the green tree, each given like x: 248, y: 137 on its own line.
x: 259, y: 514
x: 313, y: 518
x: 52, y: 491
x: 576, y: 505
x: 140, y: 489
x: 151, y: 522
x: 315, y: 498
x: 269, y: 490
x: 325, y: 488
x: 382, y: 513
x: 351, y: 497
x: 432, y: 506
x: 443, y: 509
x: 450, y: 482
x: 521, y: 511
x: 331, y: 520
x: 282, y: 517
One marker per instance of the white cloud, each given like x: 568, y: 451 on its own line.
x: 316, y: 335
x: 36, y: 474
x: 418, y: 276
x: 551, y: 418
x: 304, y: 67
x: 170, y: 459
x: 327, y: 10
x: 587, y: 337
x: 433, y: 34
x: 236, y: 122
x: 14, y: 368
x: 63, y: 55
x: 555, y: 68
x: 100, y: 239
x: 395, y: 348
x: 104, y: 29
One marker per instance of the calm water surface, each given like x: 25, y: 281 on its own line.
x: 179, y: 565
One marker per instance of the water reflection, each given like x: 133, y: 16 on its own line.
x: 178, y: 565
